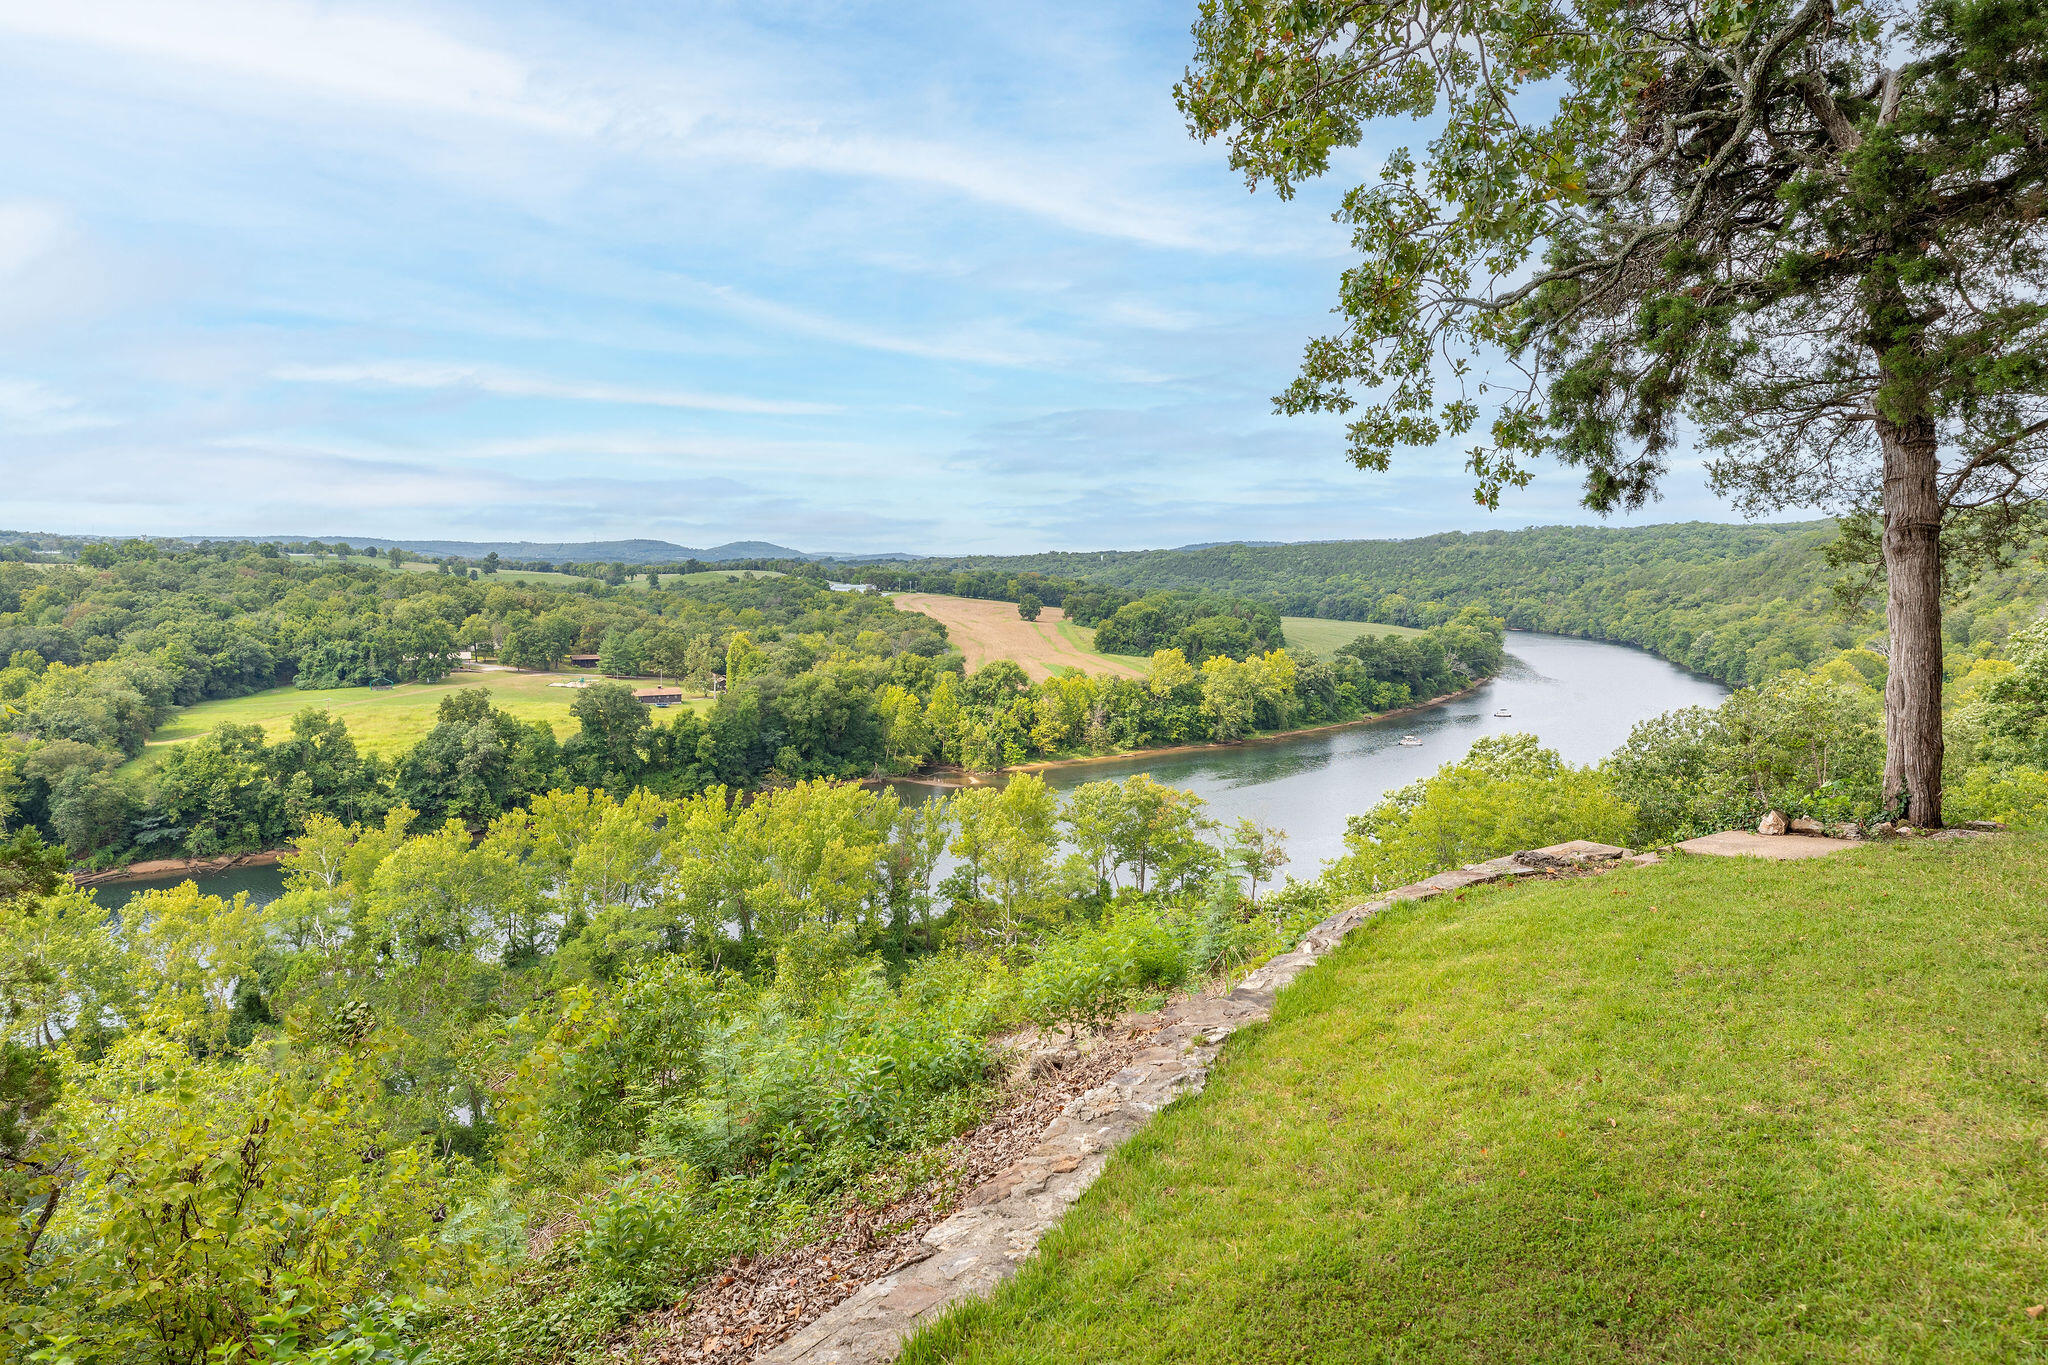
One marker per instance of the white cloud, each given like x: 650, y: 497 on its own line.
x: 695, y: 454
x: 300, y: 48
x: 30, y: 407
x: 501, y: 383
x: 28, y: 231
x: 1083, y: 203
x: 292, y: 489
x: 715, y: 108
x: 740, y: 453
x: 1151, y: 317
x: 989, y: 343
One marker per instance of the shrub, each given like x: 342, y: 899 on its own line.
x: 2015, y: 796
x: 1807, y: 745
x: 1088, y: 974
x: 1505, y: 794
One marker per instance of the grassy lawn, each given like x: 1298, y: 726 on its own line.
x: 386, y: 721
x: 638, y: 582
x: 1327, y: 637
x: 1714, y: 1110
x: 720, y: 575
x: 1083, y: 638
x: 421, y: 566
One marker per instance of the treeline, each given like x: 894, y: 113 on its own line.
x: 1200, y: 624
x: 1736, y: 603
x: 995, y: 717
x: 611, y: 572
x: 665, y: 1031
x: 786, y: 714
x: 97, y: 658
x: 1083, y: 602
x: 100, y: 551
x: 810, y: 683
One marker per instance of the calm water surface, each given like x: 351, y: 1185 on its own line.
x: 1580, y: 697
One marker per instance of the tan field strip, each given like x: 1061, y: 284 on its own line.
x: 986, y: 631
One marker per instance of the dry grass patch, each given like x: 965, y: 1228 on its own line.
x: 987, y: 631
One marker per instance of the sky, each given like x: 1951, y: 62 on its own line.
x: 944, y: 278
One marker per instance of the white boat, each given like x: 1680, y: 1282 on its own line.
x: 1410, y: 742
x: 1504, y: 713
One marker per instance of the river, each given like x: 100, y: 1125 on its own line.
x: 1580, y: 697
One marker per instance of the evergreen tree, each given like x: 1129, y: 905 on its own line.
x: 1811, y: 228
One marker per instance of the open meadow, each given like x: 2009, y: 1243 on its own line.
x: 385, y: 721
x: 985, y: 631
x: 637, y: 583
x: 1318, y: 636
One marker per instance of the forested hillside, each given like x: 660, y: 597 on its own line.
x: 810, y: 683
x: 98, y: 656
x: 1737, y: 603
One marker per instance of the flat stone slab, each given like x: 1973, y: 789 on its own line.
x: 1743, y: 843
x: 1585, y: 850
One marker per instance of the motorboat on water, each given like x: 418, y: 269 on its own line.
x: 1504, y: 714
x: 1410, y: 742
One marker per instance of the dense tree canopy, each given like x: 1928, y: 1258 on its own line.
x: 809, y: 683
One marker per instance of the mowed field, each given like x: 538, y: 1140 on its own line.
x: 1327, y: 637
x: 384, y: 721
x: 984, y: 631
x: 637, y: 583
x: 987, y: 631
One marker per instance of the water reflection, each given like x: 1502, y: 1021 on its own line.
x: 1580, y: 697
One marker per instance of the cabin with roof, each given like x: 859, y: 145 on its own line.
x: 583, y: 661
x: 658, y: 696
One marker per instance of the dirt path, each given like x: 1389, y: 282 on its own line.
x: 986, y: 631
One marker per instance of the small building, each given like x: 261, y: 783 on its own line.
x: 658, y: 696
x: 583, y: 661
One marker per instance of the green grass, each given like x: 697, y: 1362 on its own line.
x: 1083, y: 637
x: 1327, y: 637
x: 1714, y: 1110
x: 638, y: 582
x: 382, y: 721
x: 720, y: 575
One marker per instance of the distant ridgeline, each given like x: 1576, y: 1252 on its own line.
x: 1737, y: 603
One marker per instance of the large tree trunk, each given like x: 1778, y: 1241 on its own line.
x: 1912, y: 561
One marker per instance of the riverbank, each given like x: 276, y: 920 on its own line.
x: 164, y: 869
x: 158, y: 869
x: 962, y: 778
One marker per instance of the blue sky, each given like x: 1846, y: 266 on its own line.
x: 942, y: 277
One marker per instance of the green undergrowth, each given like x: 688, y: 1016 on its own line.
x: 1717, y: 1109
